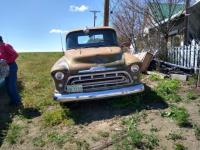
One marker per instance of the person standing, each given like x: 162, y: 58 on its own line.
x: 10, y: 55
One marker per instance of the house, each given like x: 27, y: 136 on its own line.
x: 176, y: 34
x: 158, y: 19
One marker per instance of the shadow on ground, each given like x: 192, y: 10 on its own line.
x: 89, y: 111
x: 7, y: 112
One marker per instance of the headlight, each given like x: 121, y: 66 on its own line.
x: 135, y: 68
x: 59, y: 76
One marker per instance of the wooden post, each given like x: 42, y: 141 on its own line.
x: 187, y: 5
x: 198, y: 81
x: 106, y: 12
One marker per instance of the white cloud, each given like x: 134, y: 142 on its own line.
x: 58, y: 31
x: 80, y: 8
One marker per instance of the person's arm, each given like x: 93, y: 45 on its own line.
x: 11, y: 53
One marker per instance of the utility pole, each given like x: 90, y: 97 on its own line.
x: 187, y: 5
x: 106, y: 12
x: 95, y: 15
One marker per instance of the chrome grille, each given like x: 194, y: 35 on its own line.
x: 100, y: 81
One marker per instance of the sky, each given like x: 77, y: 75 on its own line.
x: 35, y: 25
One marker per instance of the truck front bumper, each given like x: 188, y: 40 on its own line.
x: 99, y: 94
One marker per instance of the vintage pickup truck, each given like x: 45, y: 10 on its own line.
x: 94, y: 67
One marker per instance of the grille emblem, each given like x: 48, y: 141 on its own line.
x: 97, y: 69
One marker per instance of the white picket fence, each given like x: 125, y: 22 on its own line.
x: 187, y: 57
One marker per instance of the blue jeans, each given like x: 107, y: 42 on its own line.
x: 11, y: 84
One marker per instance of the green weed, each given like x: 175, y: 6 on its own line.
x: 153, y: 129
x: 14, y: 132
x: 151, y: 141
x: 55, y: 116
x: 180, y: 147
x: 154, y: 77
x: 174, y: 136
x: 82, y: 145
x: 192, y: 80
x: 191, y: 95
x: 39, y: 141
x: 197, y: 131
x: 60, y: 140
x: 103, y: 134
x: 179, y: 114
x: 167, y: 89
x: 134, y: 138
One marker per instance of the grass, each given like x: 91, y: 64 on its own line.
x: 14, y: 133
x: 58, y: 139
x: 191, y: 95
x: 193, y: 80
x: 135, y: 138
x: 174, y: 136
x: 154, y: 77
x: 103, y: 134
x: 54, y: 138
x: 133, y: 101
x: 168, y: 89
x: 36, y: 88
x: 197, y: 131
x: 179, y: 146
x: 39, y: 141
x: 36, y: 85
x: 152, y: 141
x: 82, y: 145
x: 153, y: 129
x: 179, y: 114
x: 56, y: 116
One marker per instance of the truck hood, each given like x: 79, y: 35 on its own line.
x: 83, y: 59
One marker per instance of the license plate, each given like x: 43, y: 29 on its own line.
x: 74, y: 88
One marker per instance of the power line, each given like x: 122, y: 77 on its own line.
x: 95, y: 15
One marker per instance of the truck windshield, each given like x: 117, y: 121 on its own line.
x: 94, y: 38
